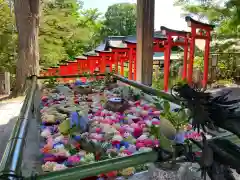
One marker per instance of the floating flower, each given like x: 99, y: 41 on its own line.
x: 180, y: 137
x: 89, y: 157
x: 156, y: 123
x: 46, y: 133
x: 58, y: 146
x: 132, y: 148
x: 59, y: 167
x: 74, y: 159
x: 140, y: 145
x: 142, y: 137
x: 126, y: 134
x: 48, y: 166
x: 117, y: 138
x: 111, y: 174
x: 148, y: 123
x: 128, y: 171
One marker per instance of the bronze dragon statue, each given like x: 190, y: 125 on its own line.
x: 219, y: 155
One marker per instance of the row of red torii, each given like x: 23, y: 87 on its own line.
x: 119, y: 56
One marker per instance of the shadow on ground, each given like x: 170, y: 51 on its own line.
x: 4, y: 97
x: 5, y: 132
x: 31, y: 155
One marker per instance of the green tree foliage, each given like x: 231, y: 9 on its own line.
x: 7, y: 38
x: 67, y: 30
x: 60, y: 35
x: 120, y: 20
x: 224, y: 14
x: 91, y: 20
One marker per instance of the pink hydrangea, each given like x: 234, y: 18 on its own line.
x: 74, y: 159
x: 155, y: 122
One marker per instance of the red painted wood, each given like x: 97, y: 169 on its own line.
x: 55, y: 71
x: 62, y: 70
x: 50, y: 71
x: 130, y: 71
x: 72, y: 67
x: 191, y: 55
x: 167, y: 54
x: 207, y: 38
x: 81, y: 65
x: 122, y: 66
x: 168, y: 44
x: 185, y: 59
x: 106, y: 61
x: 206, y: 60
x: 131, y: 60
x: 178, y: 43
x: 93, y: 62
x: 116, y: 61
x: 201, y: 26
x: 201, y: 37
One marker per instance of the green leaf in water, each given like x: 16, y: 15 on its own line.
x: 165, y: 143
x: 166, y: 106
x: 64, y: 127
x: 158, y: 105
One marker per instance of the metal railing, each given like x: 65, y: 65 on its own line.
x: 10, y: 167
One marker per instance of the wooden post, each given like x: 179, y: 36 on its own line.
x: 191, y: 55
x: 185, y: 59
x: 7, y: 83
x: 206, y: 59
x: 167, y: 56
x: 130, y: 55
x: 145, y: 34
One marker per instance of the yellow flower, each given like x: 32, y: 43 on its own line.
x: 128, y: 171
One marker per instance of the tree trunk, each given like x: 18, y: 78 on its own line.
x: 27, y: 22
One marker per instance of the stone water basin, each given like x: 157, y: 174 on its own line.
x: 79, y: 128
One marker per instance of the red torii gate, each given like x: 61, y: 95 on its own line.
x: 44, y: 72
x: 115, y: 56
x: 129, y: 54
x: 93, y: 62
x: 72, y: 67
x: 167, y: 51
x: 132, y: 45
x: 205, y: 33
x: 106, y: 60
x: 50, y: 71
x: 63, y: 69
x: 119, y: 55
x: 112, y: 55
x: 82, y: 64
x: 131, y: 59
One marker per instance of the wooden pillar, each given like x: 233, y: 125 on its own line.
x: 130, y: 55
x: 191, y: 55
x: 206, y: 59
x: 145, y: 34
x: 185, y: 59
x: 6, y: 83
